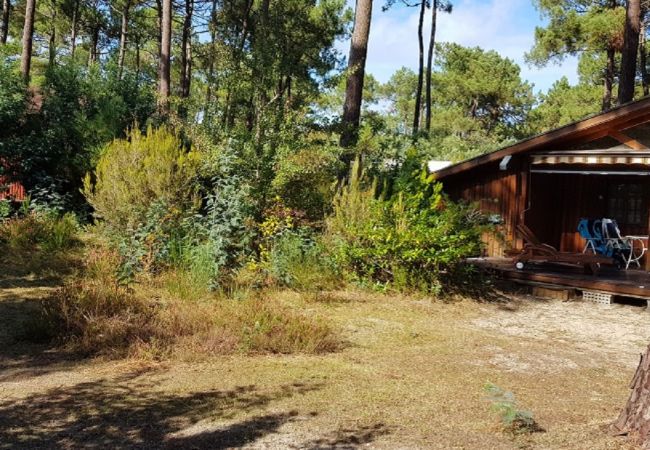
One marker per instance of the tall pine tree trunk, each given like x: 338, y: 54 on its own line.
x: 52, y: 42
x: 643, y: 61
x: 213, y: 50
x: 608, y: 79
x: 418, y: 92
x: 159, y: 11
x: 432, y: 45
x: 93, y: 55
x: 186, y: 50
x: 630, y: 51
x: 4, y: 26
x: 124, y: 29
x: 28, y: 38
x: 356, y: 75
x: 73, y: 32
x: 164, y: 69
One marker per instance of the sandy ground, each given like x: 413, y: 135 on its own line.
x: 411, y: 375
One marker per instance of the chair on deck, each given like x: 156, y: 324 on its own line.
x: 622, y: 248
x: 537, y: 252
x: 592, y: 232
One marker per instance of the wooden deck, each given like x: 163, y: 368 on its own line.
x: 626, y: 283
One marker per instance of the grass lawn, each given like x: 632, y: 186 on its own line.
x: 411, y: 374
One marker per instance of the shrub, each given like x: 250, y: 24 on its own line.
x: 134, y: 173
x: 298, y: 261
x: 5, y: 209
x: 303, y: 176
x: 513, y: 419
x: 415, y: 239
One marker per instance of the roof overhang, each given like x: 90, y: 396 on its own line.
x: 586, y: 130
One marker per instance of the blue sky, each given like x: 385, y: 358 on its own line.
x: 506, y: 26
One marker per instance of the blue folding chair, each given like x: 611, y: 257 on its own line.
x: 604, y: 238
x: 591, y: 231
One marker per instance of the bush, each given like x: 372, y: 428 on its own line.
x: 298, y: 261
x: 5, y: 209
x: 166, y: 207
x: 137, y: 172
x: 416, y: 239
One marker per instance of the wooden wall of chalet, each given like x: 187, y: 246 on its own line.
x: 498, y: 192
x: 559, y: 201
x: 551, y: 204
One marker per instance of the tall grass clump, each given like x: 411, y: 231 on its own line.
x: 37, y: 232
x: 95, y: 314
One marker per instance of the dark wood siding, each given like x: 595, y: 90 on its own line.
x: 551, y: 204
x: 496, y: 191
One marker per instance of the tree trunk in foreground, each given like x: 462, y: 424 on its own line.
x: 634, y: 420
x: 643, y: 62
x: 630, y: 51
x: 28, y: 38
x: 186, y: 50
x: 356, y: 74
x: 73, y: 29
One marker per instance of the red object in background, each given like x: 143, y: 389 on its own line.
x: 13, y: 191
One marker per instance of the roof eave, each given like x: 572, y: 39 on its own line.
x: 573, y: 130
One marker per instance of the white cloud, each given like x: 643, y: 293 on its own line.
x: 506, y: 26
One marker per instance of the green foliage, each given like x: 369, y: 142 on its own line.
x: 13, y: 99
x: 78, y: 111
x: 132, y: 174
x: 303, y: 175
x: 478, y: 90
x: 5, y: 209
x: 416, y: 239
x: 564, y: 104
x: 513, y: 419
x: 575, y: 27
x: 298, y: 261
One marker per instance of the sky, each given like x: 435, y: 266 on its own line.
x: 507, y: 26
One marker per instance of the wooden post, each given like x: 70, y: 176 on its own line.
x: 522, y: 196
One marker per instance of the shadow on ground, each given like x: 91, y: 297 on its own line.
x: 128, y: 412
x: 22, y: 355
x: 348, y: 438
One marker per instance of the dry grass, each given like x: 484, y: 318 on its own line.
x: 94, y: 315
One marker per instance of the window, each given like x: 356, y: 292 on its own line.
x: 625, y: 204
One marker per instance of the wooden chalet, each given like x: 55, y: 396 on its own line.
x: 597, y: 167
